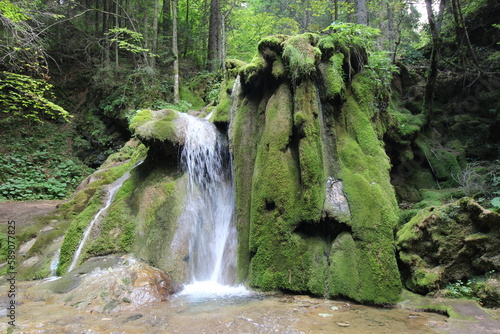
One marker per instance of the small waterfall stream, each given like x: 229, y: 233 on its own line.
x: 112, y: 190
x: 211, y: 205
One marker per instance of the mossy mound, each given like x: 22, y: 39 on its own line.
x: 315, y: 207
x: 447, y: 243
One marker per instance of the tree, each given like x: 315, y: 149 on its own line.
x: 175, y: 51
x: 361, y: 12
x: 214, y: 36
x: 436, y: 51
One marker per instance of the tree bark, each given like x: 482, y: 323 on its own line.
x: 214, y: 36
x: 154, y: 41
x: 433, y: 68
x: 175, y: 52
x: 361, y: 12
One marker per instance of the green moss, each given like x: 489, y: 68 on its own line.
x: 250, y: 72
x: 141, y: 117
x: 155, y: 125
x: 310, y: 149
x: 194, y: 100
x: 246, y: 130
x: 406, y: 124
x: 301, y: 56
x: 333, y: 75
x: 443, y: 163
x: 93, y: 198
x: 365, y: 174
x: 223, y: 110
x: 344, y: 274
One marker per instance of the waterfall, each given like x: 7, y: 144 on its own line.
x: 55, y: 263
x: 210, y: 202
x: 112, y: 190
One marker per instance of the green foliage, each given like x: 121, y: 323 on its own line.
x: 349, y: 35
x: 381, y: 69
x: 460, y: 289
x: 23, y: 96
x: 128, y: 40
x: 301, y: 55
x: 36, y: 166
x: 13, y: 12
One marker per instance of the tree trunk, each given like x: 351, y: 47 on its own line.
x: 433, y: 68
x: 361, y: 12
x: 154, y: 41
x: 186, y: 44
x: 175, y: 52
x: 117, y: 25
x: 167, y: 22
x: 214, y: 36
x: 335, y: 10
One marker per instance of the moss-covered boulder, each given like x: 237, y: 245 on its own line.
x: 315, y: 207
x: 447, y: 243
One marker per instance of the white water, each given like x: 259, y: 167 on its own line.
x: 112, y: 190
x: 55, y: 262
x: 211, y: 208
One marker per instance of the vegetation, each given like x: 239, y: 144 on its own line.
x: 334, y: 89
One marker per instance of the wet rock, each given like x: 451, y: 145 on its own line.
x: 451, y: 242
x: 127, y: 285
x: 336, y: 204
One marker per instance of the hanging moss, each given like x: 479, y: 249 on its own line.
x: 312, y: 175
x: 333, y: 75
x: 365, y: 174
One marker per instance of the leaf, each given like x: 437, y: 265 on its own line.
x: 495, y: 202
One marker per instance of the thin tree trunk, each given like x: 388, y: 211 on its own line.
x: 117, y: 25
x: 186, y: 43
x: 154, y: 41
x: 167, y: 22
x: 175, y: 52
x: 335, y: 10
x: 433, y: 68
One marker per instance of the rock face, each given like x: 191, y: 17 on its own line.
x: 315, y: 207
x: 447, y: 243
x: 121, y: 284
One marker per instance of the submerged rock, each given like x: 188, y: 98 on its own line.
x: 452, y: 242
x: 113, y: 285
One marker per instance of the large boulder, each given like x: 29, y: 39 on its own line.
x: 452, y: 242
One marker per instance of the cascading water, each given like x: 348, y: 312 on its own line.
x: 112, y: 190
x: 210, y: 211
x: 211, y: 207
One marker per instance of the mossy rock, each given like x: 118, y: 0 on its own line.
x: 455, y: 241
x: 285, y: 127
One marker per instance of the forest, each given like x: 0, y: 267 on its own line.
x: 80, y: 69
x: 397, y: 101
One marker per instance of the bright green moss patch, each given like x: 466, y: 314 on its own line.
x: 155, y: 125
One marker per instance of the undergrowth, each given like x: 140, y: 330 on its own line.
x: 36, y: 161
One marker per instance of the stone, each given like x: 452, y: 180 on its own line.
x: 452, y: 242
